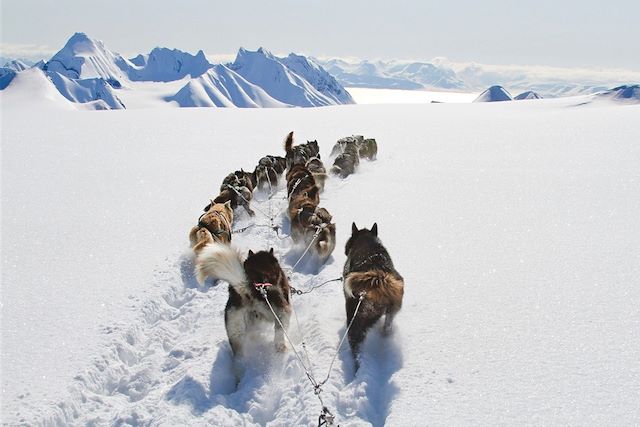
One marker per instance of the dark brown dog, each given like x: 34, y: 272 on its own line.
x: 240, y: 196
x: 317, y: 169
x: 299, y: 179
x: 246, y: 303
x: 369, y: 270
x: 300, y: 154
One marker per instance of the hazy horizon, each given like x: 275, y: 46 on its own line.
x: 574, y: 34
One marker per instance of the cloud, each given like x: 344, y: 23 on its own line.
x: 26, y: 51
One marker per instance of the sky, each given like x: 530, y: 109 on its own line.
x: 566, y: 33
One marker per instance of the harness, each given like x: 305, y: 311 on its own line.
x: 218, y: 232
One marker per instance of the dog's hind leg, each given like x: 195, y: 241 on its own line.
x: 387, y: 328
x: 235, y: 325
x: 364, y: 319
x: 278, y: 338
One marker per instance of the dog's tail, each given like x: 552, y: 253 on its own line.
x: 288, y: 143
x: 221, y: 262
x: 381, y: 287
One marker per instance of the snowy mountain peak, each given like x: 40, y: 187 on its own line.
x: 83, y: 57
x: 624, y: 93
x: 16, y: 65
x: 528, y: 95
x: 494, y: 94
x: 294, y: 80
x: 164, y: 65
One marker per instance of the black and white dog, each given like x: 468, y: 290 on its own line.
x: 246, y: 304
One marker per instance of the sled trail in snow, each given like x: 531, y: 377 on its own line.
x: 174, y: 365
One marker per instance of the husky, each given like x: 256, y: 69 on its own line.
x: 246, y: 303
x: 300, y: 154
x: 268, y: 172
x: 317, y: 169
x: 368, y: 149
x: 217, y: 220
x: 369, y: 270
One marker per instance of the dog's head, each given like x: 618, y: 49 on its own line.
x: 314, y: 148
x: 262, y: 267
x: 361, y: 236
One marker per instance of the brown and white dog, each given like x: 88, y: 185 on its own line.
x: 246, y: 303
x: 369, y: 270
x: 213, y: 225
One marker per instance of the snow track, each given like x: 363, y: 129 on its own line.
x: 174, y: 363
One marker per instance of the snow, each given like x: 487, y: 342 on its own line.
x: 624, y: 93
x: 267, y: 71
x: 321, y: 80
x: 83, y: 57
x: 222, y: 87
x: 16, y: 65
x: 87, y: 90
x: 165, y: 65
x: 494, y: 94
x: 31, y: 90
x: 443, y: 74
x: 85, y: 72
x: 527, y: 95
x: 397, y: 96
x: 513, y: 224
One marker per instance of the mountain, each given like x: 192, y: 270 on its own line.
x: 494, y: 94
x: 95, y: 92
x: 222, y: 87
x: 16, y: 65
x: 165, y: 65
x: 624, y: 93
x: 394, y: 75
x: 528, y: 95
x: 82, y: 57
x: 32, y: 89
x: 319, y: 78
x: 281, y: 83
x: 6, y: 77
x: 85, y: 71
x: 428, y: 75
x: 366, y: 74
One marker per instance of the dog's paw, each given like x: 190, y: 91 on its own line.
x: 387, y: 330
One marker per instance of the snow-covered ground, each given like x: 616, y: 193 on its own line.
x: 398, y: 96
x: 515, y: 226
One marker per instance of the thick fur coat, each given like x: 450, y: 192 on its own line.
x: 369, y: 270
x: 246, y: 303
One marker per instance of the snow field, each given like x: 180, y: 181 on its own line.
x: 513, y: 224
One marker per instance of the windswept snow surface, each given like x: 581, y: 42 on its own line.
x: 513, y: 224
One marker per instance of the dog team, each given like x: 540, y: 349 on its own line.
x: 370, y: 281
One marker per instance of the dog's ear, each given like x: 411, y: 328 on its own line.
x: 271, y: 251
x: 250, y: 252
x: 354, y: 228
x: 374, y: 229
